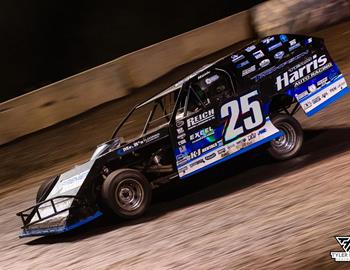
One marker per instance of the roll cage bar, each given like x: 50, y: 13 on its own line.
x: 157, y: 100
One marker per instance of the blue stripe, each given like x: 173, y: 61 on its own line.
x: 328, y: 101
x: 60, y: 229
x: 246, y: 149
x: 322, y: 88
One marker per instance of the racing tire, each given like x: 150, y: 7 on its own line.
x: 288, y: 145
x: 44, y: 189
x: 127, y: 193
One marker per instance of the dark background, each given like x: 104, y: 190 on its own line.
x: 43, y: 41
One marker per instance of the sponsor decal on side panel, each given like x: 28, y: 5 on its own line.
x: 202, y: 134
x: 243, y: 64
x: 181, y: 136
x: 141, y: 142
x: 248, y: 71
x: 309, y: 104
x: 183, y: 170
x: 258, y: 54
x: 292, y: 42
x: 217, y: 151
x: 274, y: 47
x: 180, y: 130
x: 179, y: 124
x: 195, y: 153
x: 302, y: 95
x: 203, y: 75
x: 197, y: 162
x: 73, y: 182
x: 265, y: 63
x: 280, y: 66
x: 279, y: 55
x: 312, y: 88
x: 235, y: 58
x: 212, y: 146
x: 292, y: 48
x: 283, y: 38
x: 322, y: 82
x: 181, y: 159
x: 211, y: 156
x: 297, y: 75
x: 212, y: 79
x: 262, y: 131
x: 183, y: 149
x: 200, y: 119
x: 312, y: 74
x: 182, y: 142
x: 268, y: 40
x: 250, y: 48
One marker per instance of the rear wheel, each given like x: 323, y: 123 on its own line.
x: 127, y: 193
x: 289, y: 144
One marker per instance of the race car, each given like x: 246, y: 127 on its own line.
x: 236, y: 104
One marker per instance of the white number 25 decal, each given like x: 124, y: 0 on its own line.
x: 242, y: 106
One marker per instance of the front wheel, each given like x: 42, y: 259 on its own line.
x: 289, y: 144
x: 44, y: 189
x: 127, y: 193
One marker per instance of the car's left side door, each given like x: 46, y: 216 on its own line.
x: 196, y: 128
x: 216, y: 122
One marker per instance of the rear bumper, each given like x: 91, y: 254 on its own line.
x: 56, y: 215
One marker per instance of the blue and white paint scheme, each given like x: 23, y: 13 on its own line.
x: 315, y: 99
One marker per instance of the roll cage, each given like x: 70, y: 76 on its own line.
x: 175, y: 102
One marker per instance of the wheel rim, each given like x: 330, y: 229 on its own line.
x: 129, y: 194
x: 287, y: 141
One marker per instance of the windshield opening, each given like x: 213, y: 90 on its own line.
x: 148, y: 116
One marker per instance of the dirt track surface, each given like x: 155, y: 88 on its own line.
x: 250, y: 213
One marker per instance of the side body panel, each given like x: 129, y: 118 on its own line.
x: 220, y: 132
x: 303, y: 69
x: 297, y: 66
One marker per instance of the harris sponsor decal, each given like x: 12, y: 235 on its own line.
x: 300, y: 74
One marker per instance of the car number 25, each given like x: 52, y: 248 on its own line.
x: 245, y: 115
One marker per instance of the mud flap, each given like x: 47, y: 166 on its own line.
x: 315, y: 99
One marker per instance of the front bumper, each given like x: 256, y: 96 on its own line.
x: 50, y: 217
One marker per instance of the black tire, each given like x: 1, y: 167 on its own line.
x: 288, y: 145
x: 127, y: 193
x: 44, y: 189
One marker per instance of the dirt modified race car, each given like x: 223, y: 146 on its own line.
x: 222, y: 110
